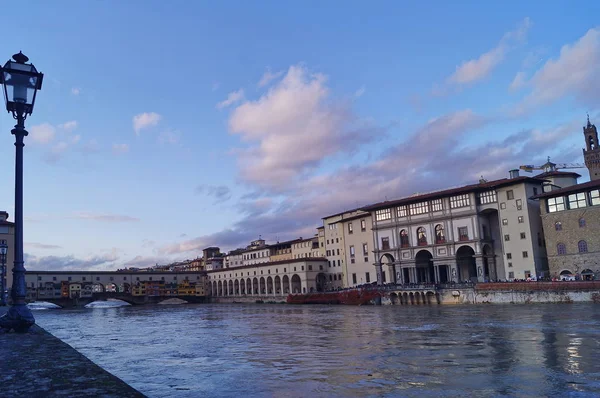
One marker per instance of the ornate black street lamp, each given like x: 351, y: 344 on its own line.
x: 3, y: 254
x: 21, y: 82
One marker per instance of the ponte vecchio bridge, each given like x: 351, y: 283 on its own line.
x: 70, y: 288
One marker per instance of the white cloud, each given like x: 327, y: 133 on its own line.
x: 103, y: 217
x: 75, y: 139
x: 268, y: 77
x: 232, y: 98
x: 68, y: 126
x: 42, y: 133
x: 574, y: 73
x: 56, y: 152
x: 291, y: 129
x: 360, y: 92
x: 479, y: 68
x: 169, y: 137
x: 518, y: 82
x: 120, y: 148
x: 91, y: 146
x: 145, y: 120
x: 76, y: 91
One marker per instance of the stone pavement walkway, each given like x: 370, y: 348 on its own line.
x: 37, y: 364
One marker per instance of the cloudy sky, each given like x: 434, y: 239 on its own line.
x: 165, y: 127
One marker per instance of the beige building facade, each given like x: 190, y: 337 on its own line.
x: 571, y: 219
x: 268, y: 280
x: 7, y: 236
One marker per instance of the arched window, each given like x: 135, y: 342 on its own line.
x: 439, y: 234
x: 582, y: 246
x: 558, y: 226
x: 561, y: 249
x: 582, y: 222
x: 404, y: 239
x: 421, y: 236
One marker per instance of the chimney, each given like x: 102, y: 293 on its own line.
x: 514, y: 173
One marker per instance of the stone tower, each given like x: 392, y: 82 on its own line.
x: 591, y: 153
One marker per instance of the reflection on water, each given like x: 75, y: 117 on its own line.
x: 322, y: 351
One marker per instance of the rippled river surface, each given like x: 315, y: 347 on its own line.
x: 323, y: 351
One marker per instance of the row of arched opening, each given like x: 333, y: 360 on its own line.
x: 414, y: 298
x: 257, y: 286
x: 424, y: 270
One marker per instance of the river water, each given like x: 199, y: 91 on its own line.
x: 323, y: 351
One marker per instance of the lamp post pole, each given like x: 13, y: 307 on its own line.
x: 3, y: 255
x: 21, y: 82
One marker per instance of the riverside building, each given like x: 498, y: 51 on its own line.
x: 485, y: 231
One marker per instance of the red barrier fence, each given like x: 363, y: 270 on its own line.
x: 531, y: 286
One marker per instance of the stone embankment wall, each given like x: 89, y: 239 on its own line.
x: 522, y: 293
x: 248, y: 300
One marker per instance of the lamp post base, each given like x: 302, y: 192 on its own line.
x: 18, y: 318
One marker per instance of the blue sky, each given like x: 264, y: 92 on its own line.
x: 165, y: 127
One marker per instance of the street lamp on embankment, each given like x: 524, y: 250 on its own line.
x: 21, y: 82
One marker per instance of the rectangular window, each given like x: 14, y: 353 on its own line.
x: 502, y: 205
x: 534, y: 191
x: 556, y: 204
x: 506, y: 238
x: 509, y: 264
x: 487, y: 197
x: 510, y: 195
x: 508, y: 256
x: 350, y: 228
x: 339, y: 261
x: 419, y: 208
x: 352, y: 251
x: 595, y: 197
x: 365, y: 249
x: 367, y: 277
x: 577, y: 200
x: 363, y: 225
x: 352, y: 260
x: 354, y: 279
x: 310, y: 267
x: 460, y: 201
x: 338, y: 252
x: 385, y: 243
x: 520, y: 219
x: 384, y: 214
x: 463, y: 233
x: 511, y: 275
x: 525, y: 255
x: 522, y: 235
x: 328, y: 253
x: 402, y: 211
x: 504, y: 221
x: 436, y: 205
x: 519, y: 204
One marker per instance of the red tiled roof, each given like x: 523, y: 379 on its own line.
x: 453, y: 191
x: 571, y: 189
